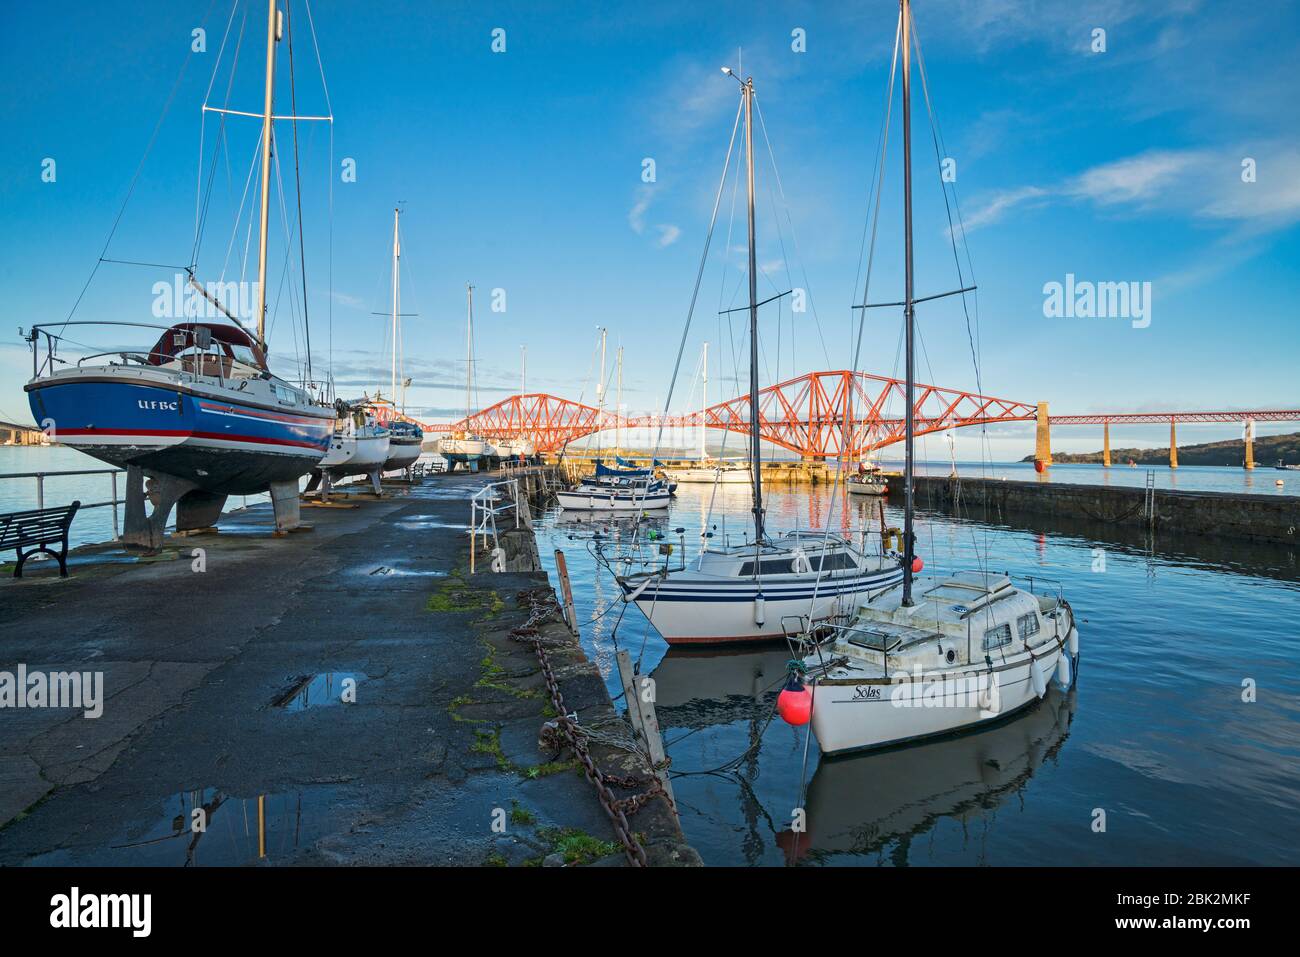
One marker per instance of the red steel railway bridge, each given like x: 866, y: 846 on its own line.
x: 836, y: 415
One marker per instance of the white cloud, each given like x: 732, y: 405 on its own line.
x: 668, y: 234
x: 636, y: 215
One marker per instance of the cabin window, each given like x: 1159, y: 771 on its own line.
x: 776, y: 566
x: 997, y: 637
x: 1028, y: 625
x: 832, y: 562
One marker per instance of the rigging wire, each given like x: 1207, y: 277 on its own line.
x: 302, y: 252
x: 135, y: 177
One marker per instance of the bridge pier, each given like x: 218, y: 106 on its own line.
x: 1043, y: 439
x: 1105, y: 446
x: 1173, y: 444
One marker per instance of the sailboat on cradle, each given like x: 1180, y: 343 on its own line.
x: 463, y: 447
x: 199, y: 412
x: 935, y: 654
x: 771, y: 587
x: 404, y: 436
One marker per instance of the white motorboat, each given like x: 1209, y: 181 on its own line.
x: 938, y: 654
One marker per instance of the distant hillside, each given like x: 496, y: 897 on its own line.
x: 1268, y: 449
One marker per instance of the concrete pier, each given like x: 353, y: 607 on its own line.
x: 1262, y: 518
x: 226, y: 661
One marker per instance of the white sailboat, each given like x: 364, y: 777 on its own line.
x: 463, y: 447
x: 404, y: 437
x: 719, y: 473
x: 935, y: 654
x: 770, y: 587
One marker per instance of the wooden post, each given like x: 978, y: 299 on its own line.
x: 641, y: 711
x: 1249, y: 434
x: 1173, y: 444
x: 566, y: 590
x: 1105, y: 449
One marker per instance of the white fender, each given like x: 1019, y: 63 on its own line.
x: 1072, y: 642
x: 498, y: 559
x: 1037, y: 678
x: 1063, y: 672
x: 990, y: 696
x: 799, y: 563
x: 760, y: 613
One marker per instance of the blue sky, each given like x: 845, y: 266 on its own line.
x: 522, y: 171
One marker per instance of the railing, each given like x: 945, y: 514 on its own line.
x: 40, y: 488
x: 493, y: 499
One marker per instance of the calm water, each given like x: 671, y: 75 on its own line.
x: 1155, y: 733
x: 96, y: 524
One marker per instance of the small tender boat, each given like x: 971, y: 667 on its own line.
x: 869, y: 479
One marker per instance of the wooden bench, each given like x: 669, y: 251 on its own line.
x: 34, y: 531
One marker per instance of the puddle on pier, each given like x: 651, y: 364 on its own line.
x: 321, y: 691
x: 396, y: 570
x: 417, y: 523
x: 262, y: 828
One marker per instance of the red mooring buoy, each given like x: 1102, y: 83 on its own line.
x: 1039, y: 466
x: 794, y: 703
x: 917, y: 565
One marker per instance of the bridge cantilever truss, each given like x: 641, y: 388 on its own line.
x: 833, y: 414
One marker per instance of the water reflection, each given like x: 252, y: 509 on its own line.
x: 874, y: 805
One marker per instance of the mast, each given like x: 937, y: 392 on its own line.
x: 757, y: 466
x: 908, y: 305
x: 618, y: 400
x: 469, y: 349
x: 272, y: 35
x: 397, y: 253
x: 704, y: 403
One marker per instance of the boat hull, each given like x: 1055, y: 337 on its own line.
x: 702, y: 612
x: 361, y: 455
x: 402, y: 453
x: 711, y: 476
x: 222, y: 445
x: 849, y: 717
x: 595, y: 499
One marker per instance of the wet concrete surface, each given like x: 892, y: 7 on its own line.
x: 197, y: 666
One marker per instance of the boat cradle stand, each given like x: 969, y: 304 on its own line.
x: 195, y: 508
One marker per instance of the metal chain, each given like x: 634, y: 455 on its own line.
x: 542, y: 607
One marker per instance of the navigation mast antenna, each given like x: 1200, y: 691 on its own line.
x: 272, y: 37
x: 908, y: 303
x: 397, y: 255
